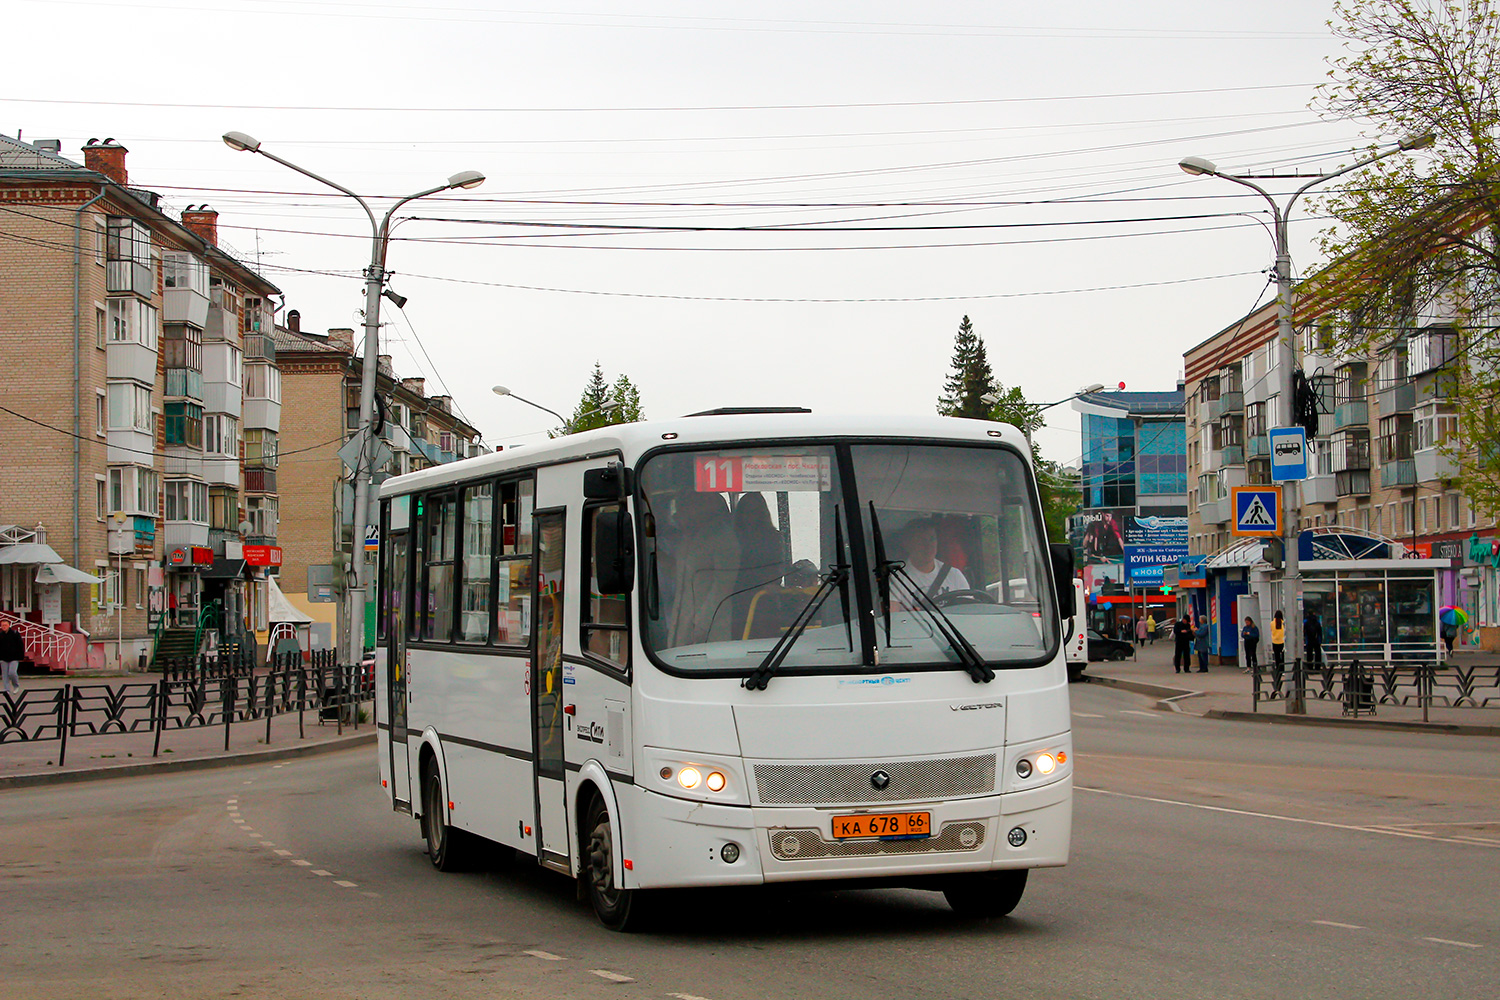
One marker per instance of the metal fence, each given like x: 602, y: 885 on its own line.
x: 199, y: 693
x: 1362, y: 687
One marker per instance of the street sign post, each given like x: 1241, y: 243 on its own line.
x: 1257, y: 511
x: 1288, y: 454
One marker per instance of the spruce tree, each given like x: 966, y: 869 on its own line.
x: 970, y: 377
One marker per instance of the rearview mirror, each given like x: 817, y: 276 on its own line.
x: 614, y: 550
x: 1062, y: 578
x: 613, y: 482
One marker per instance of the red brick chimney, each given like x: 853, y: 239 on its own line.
x: 108, y: 158
x: 203, y: 221
x: 341, y: 337
x: 294, y: 321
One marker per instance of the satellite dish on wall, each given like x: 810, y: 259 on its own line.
x: 244, y: 527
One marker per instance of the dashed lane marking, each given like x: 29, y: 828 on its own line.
x: 686, y: 996
x: 545, y: 955
x: 1456, y: 944
x: 321, y: 872
x: 1285, y: 819
x: 304, y: 864
x: 1136, y: 711
x: 284, y: 854
x: 613, y: 977
x: 1076, y: 715
x: 346, y: 885
x: 1335, y: 923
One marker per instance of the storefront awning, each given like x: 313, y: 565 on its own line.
x: 279, y: 609
x: 29, y: 552
x: 61, y: 572
x: 224, y: 569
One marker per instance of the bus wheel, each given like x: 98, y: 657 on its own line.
x: 986, y: 894
x: 445, y: 845
x: 618, y: 909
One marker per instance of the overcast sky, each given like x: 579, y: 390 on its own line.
x: 1013, y: 162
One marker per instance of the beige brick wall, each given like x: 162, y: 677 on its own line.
x: 312, y: 400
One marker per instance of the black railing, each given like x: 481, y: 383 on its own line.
x: 193, y: 693
x: 1362, y: 687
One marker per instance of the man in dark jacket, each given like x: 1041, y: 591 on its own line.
x: 12, y: 652
x: 1182, y: 649
x: 1312, y: 639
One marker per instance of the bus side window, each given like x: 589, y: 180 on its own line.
x: 513, y: 558
x: 605, y: 617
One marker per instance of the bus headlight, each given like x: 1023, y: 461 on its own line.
x: 715, y: 781
x: 1023, y: 768
x: 689, y: 777
x: 1046, y: 763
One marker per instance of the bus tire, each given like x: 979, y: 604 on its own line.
x: 447, y: 848
x: 618, y: 909
x: 986, y: 894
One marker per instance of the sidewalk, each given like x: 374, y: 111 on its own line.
x: 119, y: 754
x: 1225, y: 693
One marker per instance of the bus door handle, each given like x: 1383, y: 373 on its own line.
x: 570, y: 709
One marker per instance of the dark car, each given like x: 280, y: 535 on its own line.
x: 1101, y: 648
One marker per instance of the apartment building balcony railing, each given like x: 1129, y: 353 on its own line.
x: 1351, y: 453
x: 129, y: 276
x: 259, y: 347
x: 1214, y: 511
x: 1434, y: 463
x: 185, y: 305
x: 1398, y: 398
x: 260, y: 480
x: 1351, y: 413
x: 1232, y: 455
x: 1228, y: 402
x: 1400, y: 472
x: 1352, y: 482
x: 1258, y: 447
x: 1319, y: 489
x: 254, y: 539
x: 185, y: 382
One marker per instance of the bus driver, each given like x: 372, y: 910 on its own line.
x: 926, y: 570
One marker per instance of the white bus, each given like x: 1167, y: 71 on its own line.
x: 729, y: 649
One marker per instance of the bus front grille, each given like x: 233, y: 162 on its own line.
x: 836, y: 784
x: 804, y: 845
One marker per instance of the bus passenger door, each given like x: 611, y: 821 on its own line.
x: 547, y: 694
x: 395, y: 660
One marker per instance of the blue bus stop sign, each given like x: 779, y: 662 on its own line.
x: 1288, y: 454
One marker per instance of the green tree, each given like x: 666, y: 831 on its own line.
x: 972, y: 391
x: 1416, y: 231
x: 602, y: 405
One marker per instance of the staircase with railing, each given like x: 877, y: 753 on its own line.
x: 48, y: 648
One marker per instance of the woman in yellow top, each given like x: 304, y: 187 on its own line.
x: 1278, y: 642
x: 1151, y: 628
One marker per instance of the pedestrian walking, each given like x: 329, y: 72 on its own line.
x: 1278, y: 642
x: 172, y: 607
x: 1450, y: 632
x: 1182, y: 649
x: 1200, y: 643
x: 1140, y: 632
x: 12, y: 652
x: 1151, y: 629
x: 1312, y: 640
x: 1251, y: 636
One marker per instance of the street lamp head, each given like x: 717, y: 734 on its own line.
x: 500, y: 390
x: 989, y: 399
x: 1197, y: 166
x: 240, y: 142
x: 466, y: 179
x: 1423, y: 141
x: 1091, y: 388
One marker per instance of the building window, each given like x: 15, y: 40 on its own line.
x: 261, y: 448
x: 263, y: 382
x: 184, y: 425
x: 183, y: 270
x: 1435, y: 425
x: 183, y: 347
x: 101, y: 413
x: 1453, y: 510
x: 134, y: 490
x: 223, y: 508
x: 1408, y: 517
x: 185, y: 500
x: 1396, y: 437
x: 221, y: 435
x: 101, y: 327
x: 101, y: 497
x: 131, y: 321
x: 129, y: 407
x: 1255, y: 419
x: 263, y: 516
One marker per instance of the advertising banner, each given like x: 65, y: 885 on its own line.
x: 1145, y: 562
x: 1154, y: 530
x: 1101, y: 534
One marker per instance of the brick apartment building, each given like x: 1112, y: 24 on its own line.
x: 321, y: 383
x: 142, y: 399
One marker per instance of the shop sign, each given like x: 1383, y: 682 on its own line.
x: 203, y: 556
x: 1450, y: 550
x: 1483, y: 551
x: 178, y: 557
x: 263, y: 555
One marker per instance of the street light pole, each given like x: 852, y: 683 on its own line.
x: 364, y: 472
x: 1286, y: 360
x: 609, y: 404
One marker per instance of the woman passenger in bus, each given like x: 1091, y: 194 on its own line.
x: 705, y: 560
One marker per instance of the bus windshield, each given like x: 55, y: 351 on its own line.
x: 734, y: 541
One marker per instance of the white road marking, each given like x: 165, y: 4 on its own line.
x: 1136, y: 711
x: 613, y: 977
x: 1076, y: 715
x: 268, y: 843
x: 232, y: 801
x: 1335, y: 923
x: 1285, y: 819
x: 304, y: 864
x: 547, y: 955
x: 253, y: 834
x: 346, y: 885
x: 275, y: 766
x: 686, y: 996
x: 1456, y: 944
x: 284, y: 854
x: 321, y: 872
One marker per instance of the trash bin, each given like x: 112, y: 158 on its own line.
x: 1359, y: 690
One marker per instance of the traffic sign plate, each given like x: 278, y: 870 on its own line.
x: 1257, y: 510
x: 1288, y: 454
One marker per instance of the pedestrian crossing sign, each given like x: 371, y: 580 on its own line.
x: 1257, y: 510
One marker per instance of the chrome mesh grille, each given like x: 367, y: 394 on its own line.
x: 804, y: 845
x: 808, y: 784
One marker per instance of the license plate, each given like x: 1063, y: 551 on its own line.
x: 918, y: 824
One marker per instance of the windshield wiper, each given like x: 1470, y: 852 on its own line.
x: 837, y: 576
x: 887, y: 570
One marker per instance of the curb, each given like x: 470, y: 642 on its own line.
x: 187, y: 764
x: 1440, y: 728
x: 1167, y: 694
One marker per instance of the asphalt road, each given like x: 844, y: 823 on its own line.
x: 1210, y: 859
